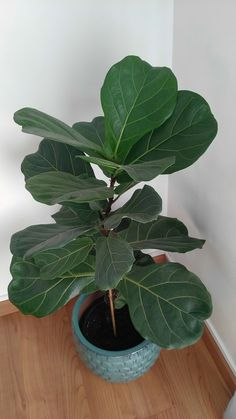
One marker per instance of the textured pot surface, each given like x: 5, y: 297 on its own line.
x: 113, y: 366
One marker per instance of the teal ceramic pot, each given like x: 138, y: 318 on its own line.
x: 114, y: 366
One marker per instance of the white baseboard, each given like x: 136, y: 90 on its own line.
x: 229, y: 359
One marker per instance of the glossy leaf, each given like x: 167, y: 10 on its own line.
x: 39, y: 123
x: 53, y: 156
x: 138, y: 172
x: 143, y: 206
x: 76, y: 215
x: 94, y: 131
x: 38, y: 297
x: 24, y: 268
x: 101, y: 162
x: 67, y: 216
x: 148, y: 170
x: 40, y: 237
x: 166, y: 233
x: 57, y: 187
x: 167, y: 303
x: 186, y: 134
x: 136, y: 98
x: 114, y: 257
x: 55, y: 262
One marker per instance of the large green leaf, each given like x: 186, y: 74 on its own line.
x: 114, y: 257
x: 167, y: 303
x: 55, y: 262
x: 33, y: 295
x: 76, y: 215
x: 143, y: 206
x: 136, y: 98
x: 138, y: 172
x: 186, y: 134
x: 57, y: 187
x: 53, y: 156
x: 166, y: 233
x: 43, y: 125
x: 40, y: 237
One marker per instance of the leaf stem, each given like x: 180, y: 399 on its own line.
x: 111, y: 304
x: 111, y: 200
x: 114, y: 200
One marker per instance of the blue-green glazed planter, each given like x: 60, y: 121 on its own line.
x: 113, y: 366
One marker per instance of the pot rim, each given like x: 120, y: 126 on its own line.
x: 85, y: 342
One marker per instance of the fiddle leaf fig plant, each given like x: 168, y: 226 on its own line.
x: 149, y: 128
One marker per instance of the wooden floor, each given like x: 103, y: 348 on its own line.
x: 41, y: 377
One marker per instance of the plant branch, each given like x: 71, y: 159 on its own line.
x: 100, y: 216
x: 105, y: 233
x: 111, y: 304
x: 111, y: 200
x: 114, y: 200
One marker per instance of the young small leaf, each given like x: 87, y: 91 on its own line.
x: 94, y: 131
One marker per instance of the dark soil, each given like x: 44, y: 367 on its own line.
x: 96, y: 326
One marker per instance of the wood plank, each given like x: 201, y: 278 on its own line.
x: 195, y: 383
x: 43, y: 378
x: 6, y: 307
x: 12, y: 389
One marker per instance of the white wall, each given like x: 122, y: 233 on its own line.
x: 54, y: 56
x: 204, y: 196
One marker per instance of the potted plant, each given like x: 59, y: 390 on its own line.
x: 129, y: 307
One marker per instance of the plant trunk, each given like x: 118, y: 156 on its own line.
x: 111, y: 304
